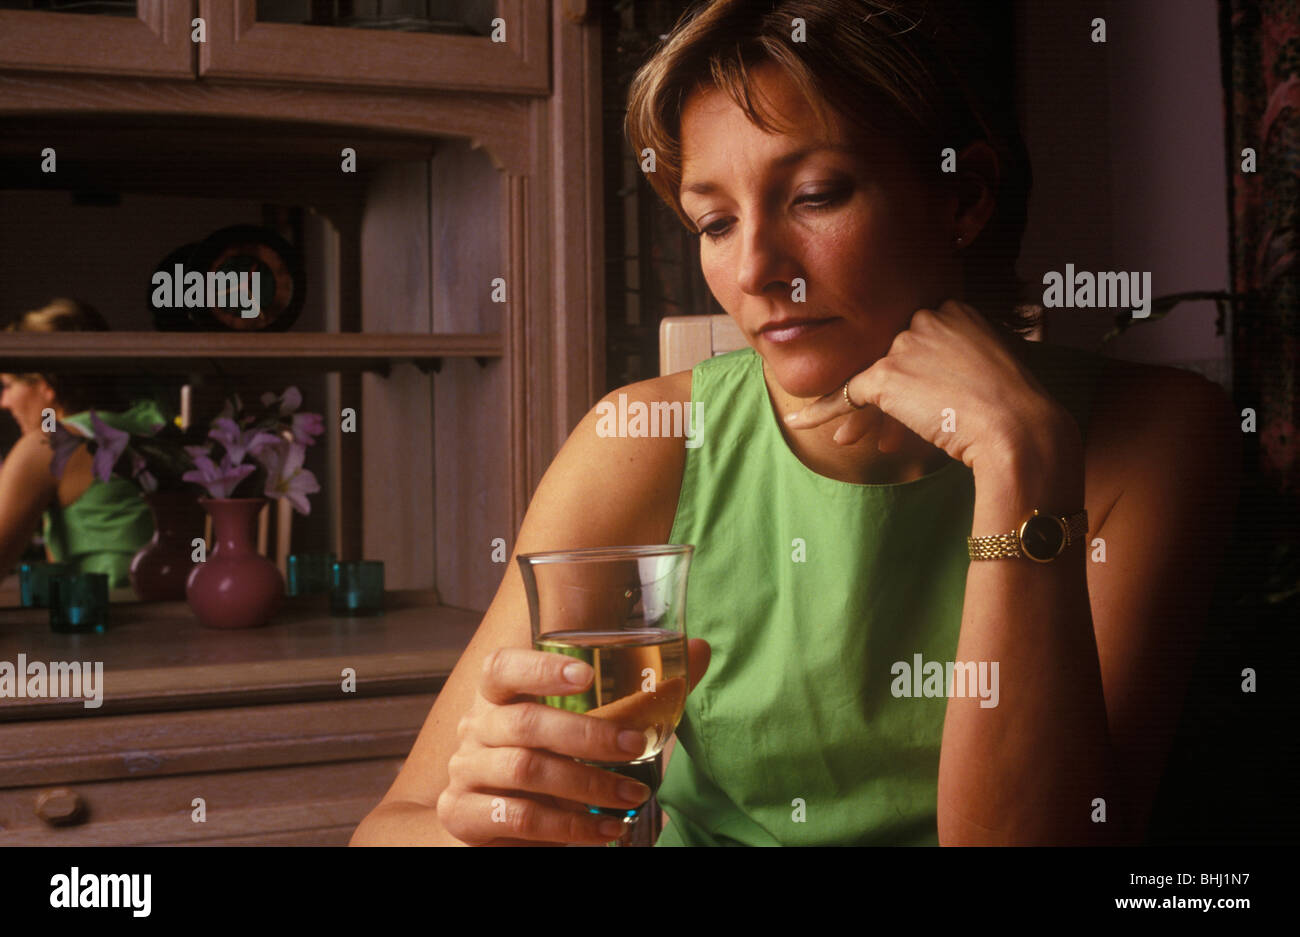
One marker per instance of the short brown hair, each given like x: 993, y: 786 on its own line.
x: 908, y: 63
x: 69, y: 315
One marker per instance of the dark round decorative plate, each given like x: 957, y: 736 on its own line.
x: 242, y: 251
x: 168, y: 318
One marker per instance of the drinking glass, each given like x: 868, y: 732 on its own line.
x: 79, y: 602
x: 34, y: 582
x: 310, y: 573
x: 357, y: 588
x: 622, y: 610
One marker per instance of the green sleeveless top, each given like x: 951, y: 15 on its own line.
x: 809, y: 590
x: 103, y: 529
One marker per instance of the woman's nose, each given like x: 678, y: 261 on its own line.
x: 764, y: 260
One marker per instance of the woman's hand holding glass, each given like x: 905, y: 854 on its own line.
x: 514, y: 780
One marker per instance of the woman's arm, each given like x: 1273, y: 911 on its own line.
x: 1093, y: 657
x: 599, y: 491
x: 26, y: 488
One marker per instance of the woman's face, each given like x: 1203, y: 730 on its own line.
x: 25, y: 400
x: 855, y: 223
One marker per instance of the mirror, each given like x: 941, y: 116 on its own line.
x: 108, y: 219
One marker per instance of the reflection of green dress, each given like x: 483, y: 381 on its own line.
x: 104, y: 528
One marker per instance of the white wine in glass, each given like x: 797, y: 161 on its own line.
x: 621, y: 610
x: 640, y: 684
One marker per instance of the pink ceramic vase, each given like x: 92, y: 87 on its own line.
x: 236, y: 587
x: 163, y: 565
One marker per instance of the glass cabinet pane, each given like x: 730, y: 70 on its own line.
x: 89, y: 7
x: 462, y: 17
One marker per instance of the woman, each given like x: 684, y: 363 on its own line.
x: 95, y: 526
x: 886, y: 411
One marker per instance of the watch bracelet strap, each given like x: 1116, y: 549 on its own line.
x: 1002, y: 546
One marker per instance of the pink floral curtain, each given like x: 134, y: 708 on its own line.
x: 1261, y: 66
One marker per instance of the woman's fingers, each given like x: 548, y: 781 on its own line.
x: 858, y: 422
x: 514, y: 779
x: 890, y: 433
x: 495, y: 819
x: 826, y: 408
x: 531, y: 771
x: 511, y: 672
x: 534, y: 725
x: 698, y: 654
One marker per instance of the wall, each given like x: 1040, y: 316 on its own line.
x: 104, y: 255
x: 1127, y: 140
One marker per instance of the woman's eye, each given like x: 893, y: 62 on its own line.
x: 716, y: 231
x: 819, y: 199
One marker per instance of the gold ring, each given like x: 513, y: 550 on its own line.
x: 848, y: 399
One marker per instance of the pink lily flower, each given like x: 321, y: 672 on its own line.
x: 285, y: 476
x: 111, y: 443
x: 306, y: 427
x: 219, y: 482
x: 290, y: 400
x: 239, y: 442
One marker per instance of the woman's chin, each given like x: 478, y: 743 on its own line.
x: 807, y: 382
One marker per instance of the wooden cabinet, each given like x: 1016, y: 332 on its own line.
x: 506, y: 190
x: 285, y: 734
x: 155, y: 43
x: 317, y: 804
x: 511, y: 58
x: 509, y: 53
x: 479, y: 169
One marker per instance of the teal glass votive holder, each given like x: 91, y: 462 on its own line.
x: 357, y: 588
x: 34, y: 582
x: 310, y: 573
x: 79, y: 603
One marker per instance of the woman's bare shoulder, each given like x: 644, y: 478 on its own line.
x: 665, y: 388
x: 26, y: 488
x: 615, y: 481
x: 1145, y: 412
x: 1130, y: 395
x: 29, y: 464
x: 32, y: 452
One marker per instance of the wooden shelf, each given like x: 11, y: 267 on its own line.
x: 187, y: 352
x: 157, y: 657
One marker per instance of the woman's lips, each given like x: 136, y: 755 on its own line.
x: 795, y: 331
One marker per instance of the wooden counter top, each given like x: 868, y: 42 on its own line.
x: 157, y: 657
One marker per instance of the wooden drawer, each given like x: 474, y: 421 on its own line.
x: 96, y: 748
x: 300, y: 805
x: 292, y: 774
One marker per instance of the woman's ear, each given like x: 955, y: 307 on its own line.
x: 979, y: 174
x: 45, y: 392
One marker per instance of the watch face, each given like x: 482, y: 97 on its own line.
x: 1042, y: 537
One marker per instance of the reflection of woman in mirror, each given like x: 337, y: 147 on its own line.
x: 96, y: 526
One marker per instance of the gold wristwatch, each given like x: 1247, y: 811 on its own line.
x: 1042, y: 538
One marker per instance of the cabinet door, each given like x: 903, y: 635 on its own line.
x: 364, y: 50
x: 155, y: 42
